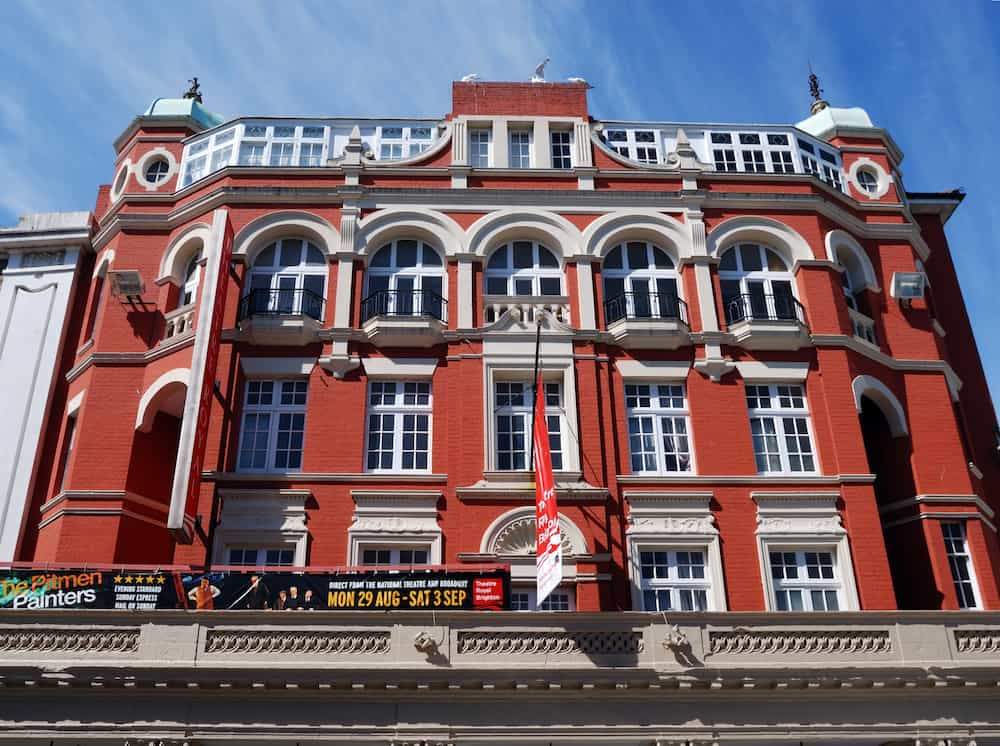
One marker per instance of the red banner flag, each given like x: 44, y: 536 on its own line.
x: 548, y: 550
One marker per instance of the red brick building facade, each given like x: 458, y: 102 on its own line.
x: 762, y: 385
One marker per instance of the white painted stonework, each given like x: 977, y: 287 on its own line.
x: 44, y: 252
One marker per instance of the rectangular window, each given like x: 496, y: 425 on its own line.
x: 282, y: 153
x: 395, y: 556
x: 658, y: 428
x: 399, y: 426
x: 196, y: 169
x: 524, y: 598
x: 561, y: 156
x: 260, y: 556
x: 831, y: 175
x: 69, y: 440
x: 274, y: 423
x: 520, y: 149
x: 512, y: 410
x: 779, y: 426
x: 725, y: 159
x: 804, y: 580
x: 479, y: 148
x: 220, y: 158
x: 781, y: 162
x: 753, y: 161
x: 674, y: 580
x: 252, y: 153
x: 311, y: 153
x: 957, y: 548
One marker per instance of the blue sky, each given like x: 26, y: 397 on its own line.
x: 73, y: 74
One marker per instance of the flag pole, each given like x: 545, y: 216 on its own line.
x: 534, y: 390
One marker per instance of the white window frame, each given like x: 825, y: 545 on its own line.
x: 395, y: 554
x: 641, y: 280
x: 962, y: 555
x: 512, y: 275
x: 803, y: 521
x: 275, y: 273
x: 523, y: 410
x: 525, y: 159
x: 262, y: 518
x: 803, y: 584
x: 764, y: 277
x: 674, y: 521
x: 260, y: 555
x: 275, y: 409
x: 399, y: 409
x: 630, y: 147
x: 560, y: 133
x: 674, y: 585
x: 564, y: 594
x: 638, y: 392
x: 476, y: 134
x: 419, y: 273
x: 781, y: 406
x: 192, y: 278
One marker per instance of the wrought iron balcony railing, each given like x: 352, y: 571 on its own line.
x: 755, y: 307
x: 640, y: 305
x: 404, y: 303
x: 282, y: 302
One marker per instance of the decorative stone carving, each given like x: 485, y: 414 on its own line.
x: 978, y: 641
x: 518, y: 537
x: 747, y: 642
x: 55, y: 640
x: 549, y: 643
x: 367, y: 642
x: 424, y: 643
x: 675, y: 639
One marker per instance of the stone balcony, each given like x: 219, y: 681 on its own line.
x: 611, y: 678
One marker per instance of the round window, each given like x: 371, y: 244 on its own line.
x: 157, y: 171
x: 867, y: 180
x: 120, y: 181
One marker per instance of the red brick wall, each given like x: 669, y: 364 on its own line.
x: 536, y: 99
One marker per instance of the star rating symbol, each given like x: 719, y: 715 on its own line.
x: 150, y: 579
x: 161, y: 580
x: 128, y: 578
x: 138, y: 579
x: 118, y: 578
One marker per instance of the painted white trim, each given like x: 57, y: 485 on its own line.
x: 653, y: 370
x: 948, y: 499
x: 841, y: 239
x: 396, y: 518
x: 399, y: 368
x: 432, y: 226
x: 276, y: 367
x: 943, y: 515
x: 774, y: 371
x: 804, y: 520
x: 754, y: 229
x: 263, y: 231
x: 885, y: 400
x: 75, y: 403
x: 144, y: 161
x: 576, y: 539
x: 262, y: 517
x: 500, y: 226
x: 126, y: 169
x: 147, y: 412
x: 659, y: 228
x: 883, y: 179
x: 674, y: 520
x: 175, y: 259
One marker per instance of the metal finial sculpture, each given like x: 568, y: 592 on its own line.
x: 816, y: 92
x: 194, y: 91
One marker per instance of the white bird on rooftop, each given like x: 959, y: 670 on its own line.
x: 470, y: 78
x: 539, y: 76
x: 579, y: 80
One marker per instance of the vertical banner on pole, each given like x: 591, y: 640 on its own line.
x: 201, y: 384
x: 548, y: 550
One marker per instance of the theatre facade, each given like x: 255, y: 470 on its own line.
x: 283, y: 489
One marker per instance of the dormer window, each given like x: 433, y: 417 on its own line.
x: 525, y: 268
x: 520, y: 148
x: 480, y: 147
x: 561, y: 153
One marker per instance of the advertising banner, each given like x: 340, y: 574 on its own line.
x: 146, y: 589
x: 204, y: 360
x: 548, y: 550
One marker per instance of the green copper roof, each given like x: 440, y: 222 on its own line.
x: 822, y: 123
x: 183, y: 107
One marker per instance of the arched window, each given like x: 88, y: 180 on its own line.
x: 756, y: 284
x: 192, y: 276
x: 851, y: 279
x: 523, y: 268
x: 640, y: 282
x: 405, y: 278
x: 288, y: 277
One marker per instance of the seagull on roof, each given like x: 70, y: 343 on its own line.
x: 579, y: 80
x: 539, y: 76
x: 470, y: 78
